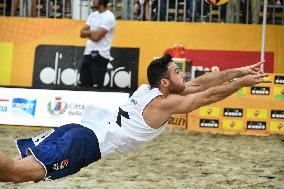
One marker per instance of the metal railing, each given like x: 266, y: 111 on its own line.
x: 236, y: 11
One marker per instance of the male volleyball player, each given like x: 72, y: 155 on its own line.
x: 65, y: 150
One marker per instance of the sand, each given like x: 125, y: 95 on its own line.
x: 177, y: 159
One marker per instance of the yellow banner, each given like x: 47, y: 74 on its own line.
x: 232, y: 124
x: 277, y: 126
x: 279, y: 93
x: 209, y: 111
x: 257, y: 113
x: 6, y: 60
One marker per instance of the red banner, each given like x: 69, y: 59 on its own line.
x: 213, y: 60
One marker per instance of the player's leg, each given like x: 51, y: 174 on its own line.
x: 23, y: 170
x: 62, y: 151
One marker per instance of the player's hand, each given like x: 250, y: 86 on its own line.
x: 251, y: 80
x: 251, y: 69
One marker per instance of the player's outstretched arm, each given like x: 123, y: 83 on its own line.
x: 213, y: 79
x: 185, y: 104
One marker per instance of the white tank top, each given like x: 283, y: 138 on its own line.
x: 125, y: 130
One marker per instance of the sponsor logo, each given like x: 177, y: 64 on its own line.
x: 75, y: 109
x: 256, y: 125
x: 118, y: 77
x: 178, y: 120
x: 133, y: 101
x: 209, y: 111
x: 276, y: 126
x: 58, y: 67
x: 233, y: 112
x: 4, y: 105
x: 260, y: 90
x: 257, y: 113
x: 279, y: 92
x: 60, y: 165
x: 56, y: 75
x: 277, y: 114
x: 57, y: 106
x: 209, y: 123
x: 200, y: 70
x: 278, y: 79
x: 23, y: 107
x: 233, y: 124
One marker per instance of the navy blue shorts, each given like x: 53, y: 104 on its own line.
x: 62, y: 151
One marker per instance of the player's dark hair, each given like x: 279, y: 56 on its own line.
x: 104, y: 2
x: 158, y: 69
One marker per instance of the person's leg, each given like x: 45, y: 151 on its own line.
x: 99, y: 69
x: 229, y: 12
x: 85, y: 72
x: 15, y: 6
x: 147, y: 10
x: 68, y: 149
x: 237, y: 13
x: 255, y: 10
x: 23, y: 170
x: 34, y: 8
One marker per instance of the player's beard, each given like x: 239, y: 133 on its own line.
x: 176, y: 88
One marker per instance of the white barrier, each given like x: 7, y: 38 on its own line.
x: 81, y: 9
x: 52, y: 108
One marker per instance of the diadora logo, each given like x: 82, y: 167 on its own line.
x: 119, y: 77
x: 277, y: 114
x: 4, y: 105
x: 58, y: 66
x: 60, y: 165
x: 256, y: 125
x: 260, y: 90
x: 57, y: 106
x: 58, y: 75
x: 233, y: 112
x: 133, y: 101
x: 23, y: 107
x: 209, y: 123
x: 279, y: 79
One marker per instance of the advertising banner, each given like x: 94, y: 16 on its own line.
x: 216, y: 60
x: 58, y: 67
x: 52, y: 108
x: 178, y: 121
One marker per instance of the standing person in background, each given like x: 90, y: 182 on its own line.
x: 255, y: 10
x: 99, y: 29
x: 233, y: 11
x: 193, y: 9
x: 15, y: 6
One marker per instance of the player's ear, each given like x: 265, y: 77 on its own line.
x: 165, y: 82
